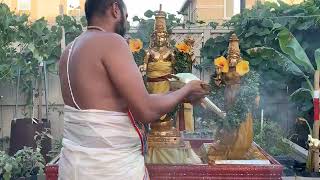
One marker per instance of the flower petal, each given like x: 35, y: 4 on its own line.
x: 242, y: 67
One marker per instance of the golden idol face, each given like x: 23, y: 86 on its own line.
x: 233, y: 58
x: 161, y: 39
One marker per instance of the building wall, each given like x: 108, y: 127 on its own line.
x: 229, y: 8
x: 191, y: 11
x: 219, y: 10
x: 207, y: 11
x: 43, y: 10
x: 250, y: 3
x: 49, y: 9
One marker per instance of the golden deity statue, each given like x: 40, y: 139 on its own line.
x: 164, y: 141
x: 159, y: 65
x: 232, y: 78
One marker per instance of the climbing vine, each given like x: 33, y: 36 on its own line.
x: 25, y: 45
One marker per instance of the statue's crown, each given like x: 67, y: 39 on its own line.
x: 160, y: 21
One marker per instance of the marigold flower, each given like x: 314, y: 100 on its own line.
x: 135, y: 45
x: 183, y: 47
x: 242, y: 67
x: 222, y: 63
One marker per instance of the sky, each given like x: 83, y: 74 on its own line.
x: 138, y: 7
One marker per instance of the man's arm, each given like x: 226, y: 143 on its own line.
x: 127, y: 79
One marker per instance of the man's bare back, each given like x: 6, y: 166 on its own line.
x: 92, y: 88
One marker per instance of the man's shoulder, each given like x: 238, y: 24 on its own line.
x: 112, y: 43
x: 109, y: 37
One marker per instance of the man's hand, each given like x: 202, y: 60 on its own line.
x: 198, y: 90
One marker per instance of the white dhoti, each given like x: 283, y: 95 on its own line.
x: 100, y: 145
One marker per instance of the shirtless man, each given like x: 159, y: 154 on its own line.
x: 103, y: 90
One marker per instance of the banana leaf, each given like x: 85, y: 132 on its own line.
x: 301, y: 93
x: 273, y: 55
x: 287, y: 64
x: 290, y: 46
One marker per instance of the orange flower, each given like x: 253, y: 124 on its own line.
x: 183, y: 47
x: 135, y: 45
x: 222, y: 63
x: 242, y: 67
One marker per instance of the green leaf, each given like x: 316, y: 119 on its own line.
x: 54, y: 28
x: 250, y: 33
x: 290, y: 46
x: 219, y: 39
x: 305, y: 25
x: 264, y: 32
x: 273, y: 55
x: 83, y: 21
x: 31, y: 47
x: 135, y: 18
x: 6, y: 176
x: 39, y: 26
x: 149, y: 14
x: 8, y: 167
x: 267, y: 23
x: 213, y: 25
x: 301, y: 93
x: 37, y: 56
x: 201, y: 22
x: 171, y: 17
x: 317, y: 58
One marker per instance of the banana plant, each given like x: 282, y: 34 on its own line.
x: 293, y: 60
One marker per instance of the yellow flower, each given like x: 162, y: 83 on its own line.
x: 222, y: 63
x: 135, y: 45
x: 183, y: 47
x: 242, y: 67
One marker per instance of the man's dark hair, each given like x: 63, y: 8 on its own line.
x: 98, y: 7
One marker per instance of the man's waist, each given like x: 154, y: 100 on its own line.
x: 99, y: 143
